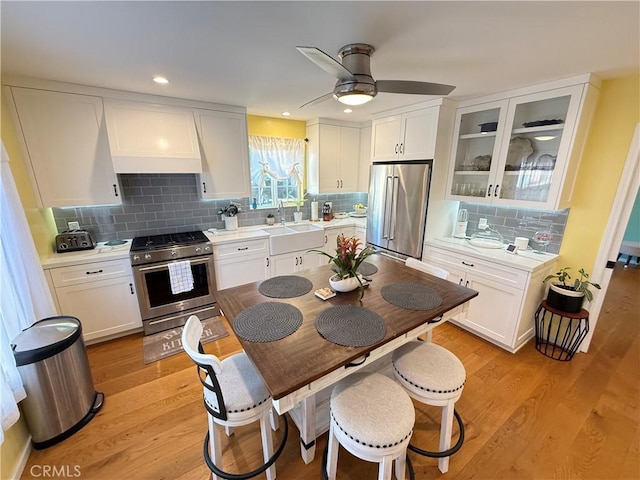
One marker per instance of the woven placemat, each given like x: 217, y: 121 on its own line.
x: 285, y: 286
x: 411, y: 296
x: 267, y: 322
x: 351, y: 326
x: 365, y: 269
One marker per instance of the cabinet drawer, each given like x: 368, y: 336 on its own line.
x: 478, y: 266
x: 89, y: 272
x: 237, y: 249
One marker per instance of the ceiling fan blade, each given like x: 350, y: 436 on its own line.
x: 418, y: 88
x: 326, y: 96
x: 327, y: 63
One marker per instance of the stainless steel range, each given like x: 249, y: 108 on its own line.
x: 174, y: 278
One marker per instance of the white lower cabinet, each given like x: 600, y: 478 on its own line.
x: 503, y: 312
x: 100, y: 294
x: 241, y: 262
x: 331, y: 238
x: 293, y: 262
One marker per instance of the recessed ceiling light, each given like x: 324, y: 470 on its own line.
x: 160, y: 80
x: 285, y: 114
x: 347, y: 110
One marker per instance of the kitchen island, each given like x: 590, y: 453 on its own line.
x: 300, y: 369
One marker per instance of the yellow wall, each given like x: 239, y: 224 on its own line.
x: 41, y: 221
x: 275, y: 127
x: 616, y: 116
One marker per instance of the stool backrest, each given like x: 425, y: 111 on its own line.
x: 207, y: 365
x: 426, y: 268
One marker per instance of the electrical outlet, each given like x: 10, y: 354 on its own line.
x: 74, y: 225
x: 482, y: 223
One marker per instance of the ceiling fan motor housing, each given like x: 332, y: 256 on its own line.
x: 356, y: 58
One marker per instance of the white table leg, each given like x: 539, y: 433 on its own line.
x: 308, y: 429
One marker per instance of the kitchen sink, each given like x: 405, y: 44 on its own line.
x: 294, y: 238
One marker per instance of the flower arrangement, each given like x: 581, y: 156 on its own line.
x: 347, y: 258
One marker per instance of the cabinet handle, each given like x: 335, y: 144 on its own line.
x: 466, y: 284
x: 204, y: 187
x: 131, y: 288
x: 460, y: 282
x: 267, y: 261
x: 115, y: 190
x: 300, y: 260
x: 402, y: 148
x: 297, y: 260
x: 325, y: 239
x: 468, y: 264
x: 337, y: 183
x: 243, y: 248
x: 340, y: 183
x: 95, y: 271
x: 489, y: 190
x: 495, y: 192
x: 396, y: 149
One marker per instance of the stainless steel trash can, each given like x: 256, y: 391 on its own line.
x: 53, y: 363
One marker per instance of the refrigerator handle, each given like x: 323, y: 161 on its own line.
x: 386, y: 222
x: 394, y: 205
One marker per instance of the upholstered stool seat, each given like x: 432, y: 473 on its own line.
x: 372, y: 417
x: 434, y: 376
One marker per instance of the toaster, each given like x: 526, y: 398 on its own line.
x: 74, y: 240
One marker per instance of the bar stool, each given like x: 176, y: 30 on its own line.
x: 434, y: 376
x: 245, y: 401
x: 372, y: 417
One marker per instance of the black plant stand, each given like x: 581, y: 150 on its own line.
x: 558, y: 333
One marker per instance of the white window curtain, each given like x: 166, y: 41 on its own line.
x: 24, y: 293
x: 277, y: 157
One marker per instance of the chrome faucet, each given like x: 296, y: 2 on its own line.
x: 281, y: 206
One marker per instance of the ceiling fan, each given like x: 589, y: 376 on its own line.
x: 355, y: 85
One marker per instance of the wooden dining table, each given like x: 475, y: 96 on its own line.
x: 300, y: 369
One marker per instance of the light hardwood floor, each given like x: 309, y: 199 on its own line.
x: 527, y: 416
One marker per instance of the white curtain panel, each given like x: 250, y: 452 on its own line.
x: 24, y: 293
x: 276, y: 156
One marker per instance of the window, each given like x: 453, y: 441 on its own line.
x: 276, y: 170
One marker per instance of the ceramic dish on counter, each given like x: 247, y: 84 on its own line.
x: 357, y: 215
x: 340, y: 215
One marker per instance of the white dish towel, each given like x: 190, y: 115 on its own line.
x: 180, y: 277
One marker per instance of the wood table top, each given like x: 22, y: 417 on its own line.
x: 304, y: 356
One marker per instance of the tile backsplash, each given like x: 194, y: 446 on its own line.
x: 169, y: 203
x: 514, y: 222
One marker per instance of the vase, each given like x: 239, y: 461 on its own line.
x: 343, y: 285
x: 564, y: 300
x: 231, y: 223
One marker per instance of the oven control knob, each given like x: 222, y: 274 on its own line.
x: 135, y: 258
x: 147, y: 256
x: 198, y: 249
x: 207, y: 248
x: 173, y: 253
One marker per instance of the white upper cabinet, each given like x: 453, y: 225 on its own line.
x: 333, y: 158
x: 225, y: 157
x: 365, y: 159
x: 66, y: 147
x: 521, y: 151
x: 151, y: 138
x: 407, y: 136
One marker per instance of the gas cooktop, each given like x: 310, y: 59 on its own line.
x: 169, y: 240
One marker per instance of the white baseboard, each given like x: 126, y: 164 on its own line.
x: 21, y: 461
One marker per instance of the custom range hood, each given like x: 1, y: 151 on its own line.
x: 151, y: 138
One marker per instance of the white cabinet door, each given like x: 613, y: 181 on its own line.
x: 234, y: 272
x: 225, y: 157
x: 365, y: 159
x: 151, y: 138
x: 104, y: 307
x: 410, y: 136
x: 331, y: 238
x: 66, y: 147
x: 333, y: 160
x: 289, y: 263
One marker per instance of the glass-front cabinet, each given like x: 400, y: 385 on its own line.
x: 516, y: 151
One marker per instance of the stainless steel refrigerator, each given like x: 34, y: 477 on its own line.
x: 397, y: 210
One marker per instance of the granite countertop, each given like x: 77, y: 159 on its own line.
x: 102, y: 252
x: 527, y: 260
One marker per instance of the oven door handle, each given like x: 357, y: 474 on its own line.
x: 163, y: 265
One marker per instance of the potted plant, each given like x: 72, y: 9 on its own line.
x: 568, y: 296
x: 271, y: 219
x: 347, y: 260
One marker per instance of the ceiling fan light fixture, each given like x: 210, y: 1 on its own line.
x: 353, y: 99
